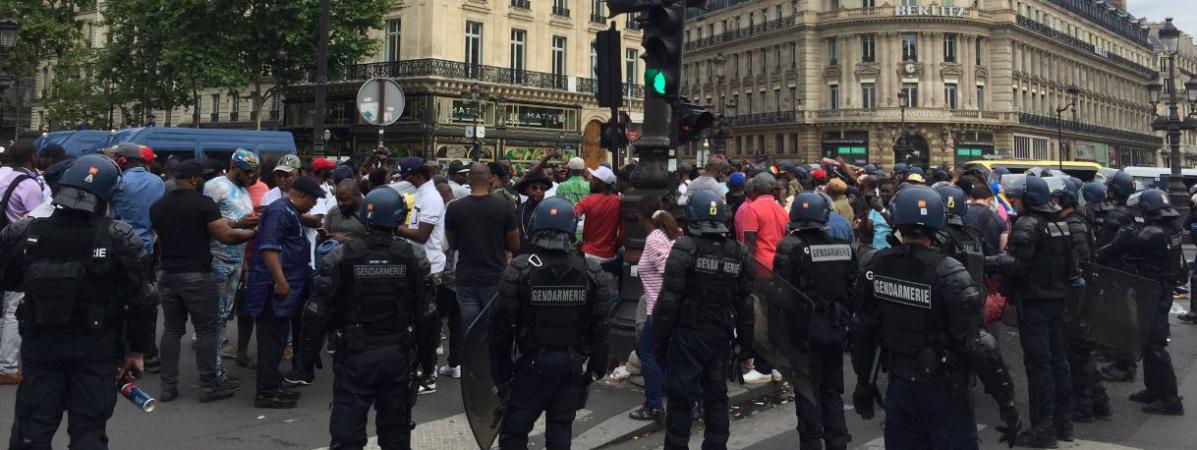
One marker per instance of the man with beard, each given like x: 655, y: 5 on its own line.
x: 534, y: 186
x: 341, y: 223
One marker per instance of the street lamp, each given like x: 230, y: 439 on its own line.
x: 902, y: 148
x: 475, y: 95
x: 1073, y: 91
x: 720, y: 135
x: 1173, y: 124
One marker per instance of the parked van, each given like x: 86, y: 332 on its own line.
x: 202, y: 143
x: 77, y: 142
x: 1084, y: 170
x: 1157, y: 177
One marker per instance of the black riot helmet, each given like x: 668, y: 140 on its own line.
x: 1153, y: 203
x: 89, y: 184
x: 810, y: 210
x: 1067, y: 196
x: 919, y: 206
x: 1121, y: 185
x: 706, y: 214
x: 954, y: 201
x: 553, y: 224
x: 382, y: 208
x: 1094, y: 192
x: 1037, y: 196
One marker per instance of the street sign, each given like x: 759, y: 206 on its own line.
x: 469, y: 131
x: 480, y: 131
x: 384, y: 94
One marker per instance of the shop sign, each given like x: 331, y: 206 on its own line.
x: 933, y: 10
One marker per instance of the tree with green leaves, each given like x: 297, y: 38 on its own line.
x: 80, y: 99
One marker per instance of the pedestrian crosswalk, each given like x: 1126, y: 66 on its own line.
x: 453, y: 433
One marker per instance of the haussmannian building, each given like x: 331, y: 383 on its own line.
x: 983, y: 79
x: 1186, y: 68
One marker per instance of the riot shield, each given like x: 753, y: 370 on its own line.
x: 483, y: 407
x: 1116, y: 309
x: 783, y: 315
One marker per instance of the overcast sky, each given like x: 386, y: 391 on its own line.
x: 1184, y: 13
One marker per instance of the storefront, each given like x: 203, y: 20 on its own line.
x: 853, y: 146
x: 972, y: 146
x: 1097, y: 152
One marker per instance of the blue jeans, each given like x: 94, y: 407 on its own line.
x: 472, y: 300
x: 227, y: 275
x: 654, y: 375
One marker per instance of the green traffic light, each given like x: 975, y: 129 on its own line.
x: 655, y: 78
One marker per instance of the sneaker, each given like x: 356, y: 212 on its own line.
x: 298, y: 378
x: 214, y: 393
x: 153, y: 365
x: 450, y: 371
x: 273, y: 400
x: 1116, y: 374
x: 168, y: 394
x: 1166, y: 407
x: 8, y: 379
x: 644, y: 413
x: 1189, y: 318
x: 619, y: 374
x: 427, y: 387
x: 777, y: 378
x: 754, y: 377
x: 1142, y: 397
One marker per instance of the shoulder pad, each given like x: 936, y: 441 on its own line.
x: 685, y: 244
x: 18, y: 228
x: 120, y: 229
x: 333, y: 259
x: 949, y: 267
x: 417, y: 251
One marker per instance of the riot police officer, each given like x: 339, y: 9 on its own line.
x: 1153, y: 250
x: 924, y: 310
x: 825, y: 269
x: 1089, y: 397
x: 87, y: 312
x: 704, y: 299
x: 375, y: 294
x: 552, y: 309
x: 1110, y: 217
x: 1038, y: 262
x: 1094, y: 194
x: 957, y: 240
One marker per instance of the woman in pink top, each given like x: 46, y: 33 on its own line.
x: 662, y: 230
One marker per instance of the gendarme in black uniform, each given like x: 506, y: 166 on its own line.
x: 704, y: 299
x: 924, y: 312
x: 957, y: 240
x: 1039, y: 268
x: 825, y: 269
x: 375, y: 295
x: 86, y: 309
x: 551, y: 311
x: 1153, y: 250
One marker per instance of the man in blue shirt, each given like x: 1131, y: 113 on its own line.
x: 140, y: 189
x: 279, y: 273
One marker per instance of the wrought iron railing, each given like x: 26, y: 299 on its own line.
x: 414, y: 68
x: 728, y: 36
x: 1080, y: 127
x: 560, y: 11
x: 1068, y: 39
x: 521, y: 4
x: 763, y: 118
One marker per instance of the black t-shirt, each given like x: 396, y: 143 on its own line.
x: 989, y: 224
x: 181, y: 221
x: 480, y: 225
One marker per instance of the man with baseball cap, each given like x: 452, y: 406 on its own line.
x: 457, y: 179
x: 604, y: 231
x: 140, y: 189
x: 576, y: 186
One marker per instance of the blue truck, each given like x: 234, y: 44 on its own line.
x: 183, y: 143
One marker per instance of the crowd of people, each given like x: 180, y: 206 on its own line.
x: 909, y: 268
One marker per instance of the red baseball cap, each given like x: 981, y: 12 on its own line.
x: 819, y: 174
x: 323, y: 164
x: 147, y: 154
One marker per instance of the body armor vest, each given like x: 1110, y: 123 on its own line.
x: 555, y: 303
x: 711, y: 290
x: 963, y: 243
x: 69, y: 278
x: 908, y: 294
x: 821, y: 267
x: 379, y: 307
x: 1048, y: 274
x: 1107, y: 219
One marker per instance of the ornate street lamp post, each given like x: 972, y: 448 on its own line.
x: 1173, y: 124
x: 1073, y: 91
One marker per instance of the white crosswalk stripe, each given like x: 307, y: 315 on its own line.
x: 452, y: 433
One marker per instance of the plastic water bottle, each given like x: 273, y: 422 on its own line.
x: 139, y: 397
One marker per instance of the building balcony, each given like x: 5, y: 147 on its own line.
x: 1081, y: 127
x: 521, y: 4
x: 439, y: 68
x: 1071, y: 41
x: 743, y: 33
x: 764, y: 118
x: 560, y: 11
x: 1107, y: 17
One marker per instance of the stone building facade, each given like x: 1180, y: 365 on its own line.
x: 983, y: 79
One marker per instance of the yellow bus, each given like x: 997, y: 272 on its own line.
x: 1084, y: 170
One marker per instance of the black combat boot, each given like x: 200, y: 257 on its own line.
x: 1064, y: 427
x: 1166, y: 407
x: 1142, y: 397
x: 1039, y: 436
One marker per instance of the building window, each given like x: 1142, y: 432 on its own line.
x: 910, y: 3
x: 869, y: 4
x: 519, y: 55
x: 764, y: 60
x: 777, y: 100
x: 594, y: 59
x: 777, y: 57
x: 394, y: 27
x: 1030, y: 147
x: 912, y: 94
x: 980, y: 52
x: 833, y: 95
x: 833, y: 56
x: 748, y: 107
x: 596, y: 11
x: 910, y: 47
x: 794, y: 143
x: 736, y: 65
x: 868, y: 45
x: 793, y: 99
x: 950, y: 95
x: 949, y: 48
x: 559, y: 61
x: 981, y: 97
x: 473, y: 48
x: 631, y: 60
x: 215, y: 108
x: 868, y: 95
x: 748, y: 54
x: 793, y: 55
x: 560, y: 8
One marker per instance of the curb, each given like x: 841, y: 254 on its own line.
x: 619, y: 428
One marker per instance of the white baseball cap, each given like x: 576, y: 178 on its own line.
x: 576, y: 163
x: 603, y: 174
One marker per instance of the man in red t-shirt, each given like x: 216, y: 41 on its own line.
x: 603, y: 231
x: 760, y: 224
